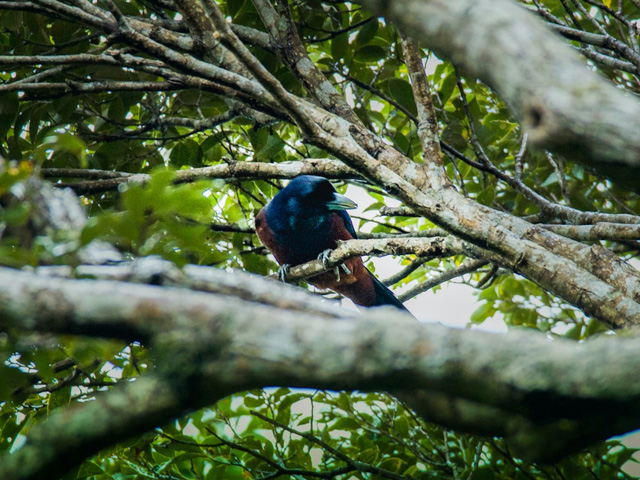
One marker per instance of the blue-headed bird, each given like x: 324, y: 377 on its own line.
x: 305, y: 220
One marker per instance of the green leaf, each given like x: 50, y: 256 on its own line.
x: 58, y: 398
x: 339, y: 47
x: 401, y: 91
x: 88, y: 469
x: 251, y: 401
x: 367, y: 32
x: 483, y: 472
x: 369, y: 456
x: 16, y: 215
x: 401, y: 425
x: 187, y: 152
x: 393, y: 464
x: 482, y: 313
x: 344, y: 423
x: 12, y: 21
x: 271, y: 147
x: 66, y: 143
x: 487, y: 196
x: 370, y: 54
x: 9, y: 107
x: 574, y: 333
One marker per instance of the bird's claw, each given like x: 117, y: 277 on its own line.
x: 324, y: 258
x: 344, y: 267
x: 283, y: 272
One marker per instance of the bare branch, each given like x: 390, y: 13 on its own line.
x: 406, y: 271
x: 427, y: 120
x: 231, y: 170
x: 294, y: 54
x: 267, y: 80
x: 431, y: 247
x: 156, y: 271
x: 463, y: 269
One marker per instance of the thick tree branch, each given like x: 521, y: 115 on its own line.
x: 614, y: 285
x: 156, y: 271
x: 597, y: 231
x: 515, y: 243
x: 564, y: 107
x: 549, y: 409
x: 128, y: 410
x: 91, y: 87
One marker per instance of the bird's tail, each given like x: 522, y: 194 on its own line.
x: 384, y: 296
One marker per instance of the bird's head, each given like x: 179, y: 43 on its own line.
x: 314, y: 195
x: 310, y: 196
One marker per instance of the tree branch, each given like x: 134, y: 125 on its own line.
x: 596, y: 128
x: 102, y: 181
x: 550, y: 410
x: 156, y: 271
x: 427, y: 120
x: 432, y: 247
x: 127, y: 410
x: 444, y: 277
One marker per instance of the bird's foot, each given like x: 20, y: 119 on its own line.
x: 324, y: 258
x: 283, y: 272
x: 344, y: 267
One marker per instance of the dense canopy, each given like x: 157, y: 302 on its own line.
x: 491, y: 145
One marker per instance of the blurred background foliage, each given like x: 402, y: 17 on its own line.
x: 275, y: 433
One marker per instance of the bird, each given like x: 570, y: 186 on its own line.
x: 303, y: 222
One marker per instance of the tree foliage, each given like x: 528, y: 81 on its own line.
x: 175, y: 121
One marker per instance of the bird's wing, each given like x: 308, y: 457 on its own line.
x: 268, y: 237
x: 347, y: 222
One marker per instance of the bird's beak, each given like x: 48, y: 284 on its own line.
x: 340, y: 202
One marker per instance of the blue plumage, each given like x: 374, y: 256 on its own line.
x: 308, y: 217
